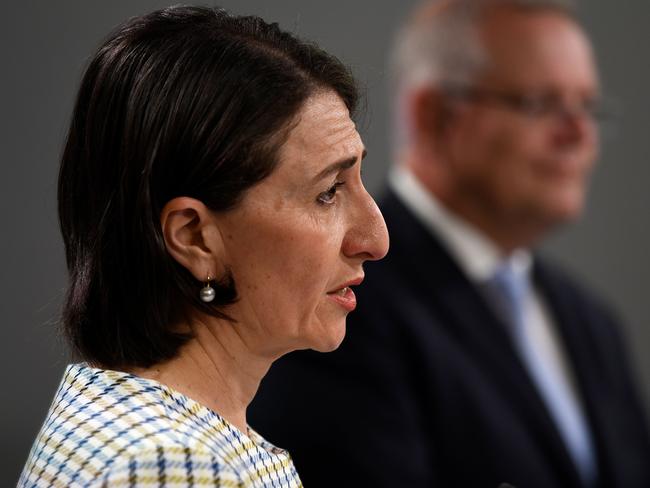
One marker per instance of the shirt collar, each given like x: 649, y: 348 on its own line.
x: 476, y: 254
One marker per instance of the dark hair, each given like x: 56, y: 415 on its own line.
x: 184, y: 101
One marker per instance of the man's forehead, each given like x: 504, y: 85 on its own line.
x: 518, y: 29
x: 537, y: 45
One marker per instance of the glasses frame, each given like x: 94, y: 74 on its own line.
x: 534, y: 106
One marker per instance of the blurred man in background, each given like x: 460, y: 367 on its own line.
x: 472, y: 361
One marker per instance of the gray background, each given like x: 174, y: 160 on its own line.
x: 44, y: 47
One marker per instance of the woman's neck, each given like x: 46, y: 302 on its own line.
x: 216, y: 368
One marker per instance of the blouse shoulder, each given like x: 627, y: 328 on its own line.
x: 110, y: 428
x: 178, y: 466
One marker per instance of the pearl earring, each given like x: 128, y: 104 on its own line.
x: 207, y: 293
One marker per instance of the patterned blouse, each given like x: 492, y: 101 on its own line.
x: 108, y: 428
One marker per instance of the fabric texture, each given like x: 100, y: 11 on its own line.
x: 427, y: 388
x: 510, y: 291
x: 113, y: 429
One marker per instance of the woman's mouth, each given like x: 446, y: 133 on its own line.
x: 345, y: 297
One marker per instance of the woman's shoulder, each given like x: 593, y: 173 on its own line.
x: 110, y: 425
x: 162, y: 465
x: 105, y: 423
x: 173, y: 465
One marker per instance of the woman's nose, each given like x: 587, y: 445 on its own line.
x: 367, y: 237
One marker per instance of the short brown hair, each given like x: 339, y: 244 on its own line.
x: 184, y: 101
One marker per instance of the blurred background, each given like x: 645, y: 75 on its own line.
x: 44, y: 49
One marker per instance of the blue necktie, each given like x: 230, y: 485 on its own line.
x: 509, y: 291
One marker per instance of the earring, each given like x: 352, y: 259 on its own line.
x: 207, y: 293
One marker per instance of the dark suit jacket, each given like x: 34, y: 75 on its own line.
x: 427, y: 390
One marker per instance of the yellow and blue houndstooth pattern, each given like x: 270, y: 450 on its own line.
x: 108, y: 428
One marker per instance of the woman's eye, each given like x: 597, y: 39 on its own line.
x: 327, y: 197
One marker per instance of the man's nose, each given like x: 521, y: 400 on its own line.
x: 576, y: 124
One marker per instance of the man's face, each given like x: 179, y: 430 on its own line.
x: 520, y: 165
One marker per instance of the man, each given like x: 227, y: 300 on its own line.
x: 471, y: 361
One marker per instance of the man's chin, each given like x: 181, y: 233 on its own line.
x: 559, y: 205
x: 566, y: 208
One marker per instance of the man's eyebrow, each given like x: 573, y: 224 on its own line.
x: 346, y: 163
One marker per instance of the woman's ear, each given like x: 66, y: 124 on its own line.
x: 192, y: 237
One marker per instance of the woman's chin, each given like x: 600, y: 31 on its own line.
x: 330, y: 339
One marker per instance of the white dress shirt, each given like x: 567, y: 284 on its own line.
x: 479, y: 258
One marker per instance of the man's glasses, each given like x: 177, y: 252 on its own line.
x: 534, y: 106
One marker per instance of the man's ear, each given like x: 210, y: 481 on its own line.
x: 192, y: 237
x: 430, y: 114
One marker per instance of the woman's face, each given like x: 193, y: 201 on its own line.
x: 297, y: 241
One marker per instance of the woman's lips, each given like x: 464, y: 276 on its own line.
x: 345, y: 297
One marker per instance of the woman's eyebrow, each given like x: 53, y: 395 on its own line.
x: 346, y: 163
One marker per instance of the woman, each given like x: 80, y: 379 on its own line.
x: 214, y: 219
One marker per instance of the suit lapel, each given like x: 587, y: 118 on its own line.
x: 467, y: 317
x: 583, y: 355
